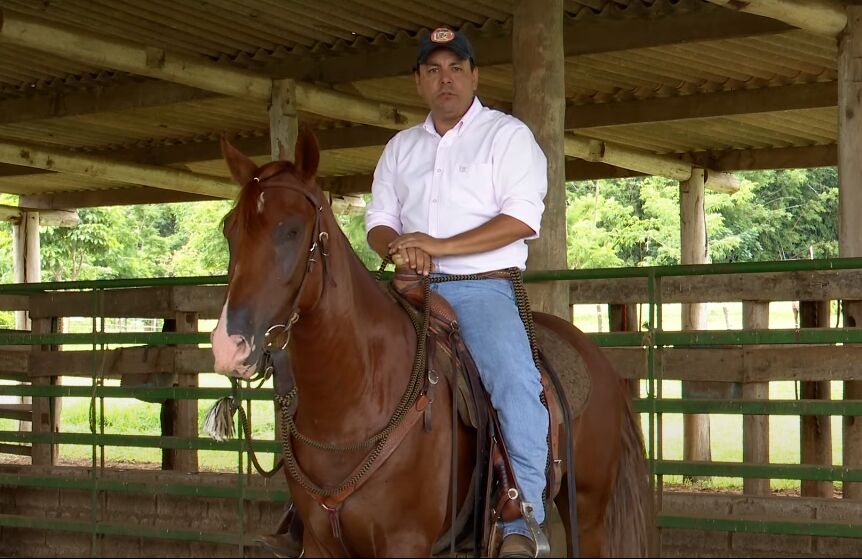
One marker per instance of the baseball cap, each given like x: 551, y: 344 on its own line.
x: 443, y: 37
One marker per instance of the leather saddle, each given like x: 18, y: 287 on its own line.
x: 474, y: 409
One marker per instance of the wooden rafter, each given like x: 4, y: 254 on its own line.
x: 123, y: 96
x: 826, y: 17
x: 769, y: 158
x: 645, y: 162
x: 705, y: 105
x: 579, y: 38
x: 113, y: 197
x: 99, y: 167
x: 57, y: 218
x: 196, y: 72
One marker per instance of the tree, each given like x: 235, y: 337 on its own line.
x: 198, y: 246
x: 116, y: 242
x: 775, y: 215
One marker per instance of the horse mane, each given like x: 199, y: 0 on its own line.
x: 244, y: 216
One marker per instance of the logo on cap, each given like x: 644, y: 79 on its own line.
x: 442, y: 35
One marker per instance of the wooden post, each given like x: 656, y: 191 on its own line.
x: 46, y: 410
x: 186, y: 411
x: 283, y: 123
x: 624, y: 318
x: 283, y: 133
x: 26, y: 268
x: 849, y: 206
x: 696, y: 443
x: 815, y: 430
x: 755, y: 428
x: 179, y: 418
x: 539, y: 99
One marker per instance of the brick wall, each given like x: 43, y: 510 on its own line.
x: 221, y: 515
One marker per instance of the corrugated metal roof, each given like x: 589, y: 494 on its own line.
x: 254, y: 33
x: 762, y: 130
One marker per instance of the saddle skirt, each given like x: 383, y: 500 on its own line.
x: 558, y: 358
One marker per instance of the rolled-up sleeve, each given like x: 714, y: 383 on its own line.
x: 521, y: 178
x: 384, y: 207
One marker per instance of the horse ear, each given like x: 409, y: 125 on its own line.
x: 242, y: 169
x: 307, y: 153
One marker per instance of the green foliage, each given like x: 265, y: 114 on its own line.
x: 199, y: 247
x: 353, y: 225
x: 116, y: 242
x: 775, y: 215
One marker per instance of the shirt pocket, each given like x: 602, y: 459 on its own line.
x: 473, y: 187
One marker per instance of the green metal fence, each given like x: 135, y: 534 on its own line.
x: 653, y: 340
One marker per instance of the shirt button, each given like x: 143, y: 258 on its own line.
x: 439, y: 171
x: 434, y: 200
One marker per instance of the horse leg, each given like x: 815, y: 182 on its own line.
x: 408, y: 544
x: 312, y: 547
x: 591, y: 529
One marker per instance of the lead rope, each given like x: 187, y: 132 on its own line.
x: 408, y: 400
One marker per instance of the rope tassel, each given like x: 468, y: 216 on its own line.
x: 218, y: 422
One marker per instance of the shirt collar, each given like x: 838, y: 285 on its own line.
x: 468, y: 117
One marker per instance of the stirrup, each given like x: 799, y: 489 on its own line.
x: 543, y: 547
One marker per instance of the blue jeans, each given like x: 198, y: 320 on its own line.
x: 493, y: 331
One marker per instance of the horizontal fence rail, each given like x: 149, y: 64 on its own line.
x: 654, y: 286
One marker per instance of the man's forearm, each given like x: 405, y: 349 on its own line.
x: 379, y: 238
x: 496, y: 233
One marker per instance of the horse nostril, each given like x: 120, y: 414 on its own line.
x: 241, y: 344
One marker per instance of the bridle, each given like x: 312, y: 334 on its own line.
x: 277, y: 336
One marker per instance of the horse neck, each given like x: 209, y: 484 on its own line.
x: 340, y: 367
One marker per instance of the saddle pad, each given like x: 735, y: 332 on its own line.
x: 569, y: 365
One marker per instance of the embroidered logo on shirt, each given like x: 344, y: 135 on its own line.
x: 442, y: 35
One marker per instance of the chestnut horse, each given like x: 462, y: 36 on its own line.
x: 351, y: 349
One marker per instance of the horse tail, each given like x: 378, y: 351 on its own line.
x: 630, y: 515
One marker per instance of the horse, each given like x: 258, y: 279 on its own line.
x: 296, y: 285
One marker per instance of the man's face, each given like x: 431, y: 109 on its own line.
x: 446, y: 84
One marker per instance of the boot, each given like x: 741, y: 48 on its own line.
x: 516, y: 545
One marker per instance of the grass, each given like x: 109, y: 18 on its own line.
x: 130, y: 416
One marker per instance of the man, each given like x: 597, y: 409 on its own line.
x: 460, y: 194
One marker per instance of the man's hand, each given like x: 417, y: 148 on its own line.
x: 414, y: 258
x: 428, y: 244
x: 416, y: 251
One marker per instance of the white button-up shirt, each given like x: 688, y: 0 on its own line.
x: 488, y: 164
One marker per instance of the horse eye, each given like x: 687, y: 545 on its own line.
x: 285, y: 234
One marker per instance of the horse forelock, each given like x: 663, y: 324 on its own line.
x: 245, y: 218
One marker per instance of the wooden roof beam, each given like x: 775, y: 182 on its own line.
x: 579, y: 38
x: 55, y: 218
x: 346, y: 137
x: 644, y: 162
x: 803, y: 157
x: 704, y: 105
x: 91, y: 166
x: 195, y: 72
x: 120, y: 97
x: 576, y: 169
x: 825, y: 17
x: 110, y: 197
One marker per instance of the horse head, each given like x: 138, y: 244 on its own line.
x: 277, y: 243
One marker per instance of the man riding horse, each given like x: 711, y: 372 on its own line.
x: 459, y: 195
